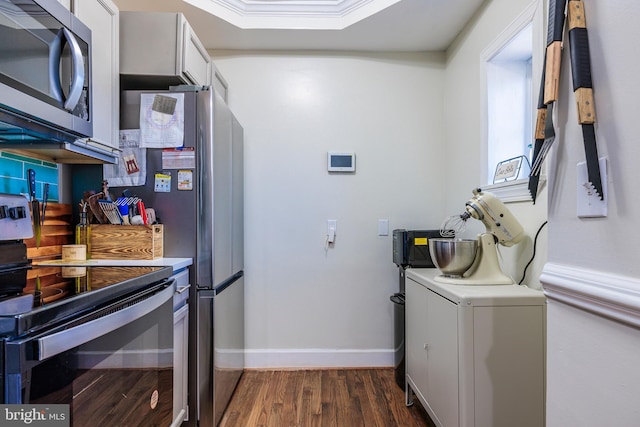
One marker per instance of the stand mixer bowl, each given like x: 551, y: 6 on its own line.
x: 453, y: 256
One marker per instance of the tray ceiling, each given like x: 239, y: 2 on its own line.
x: 368, y: 25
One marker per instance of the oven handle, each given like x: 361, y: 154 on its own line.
x: 62, y: 341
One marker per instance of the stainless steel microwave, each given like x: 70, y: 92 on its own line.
x: 45, y: 73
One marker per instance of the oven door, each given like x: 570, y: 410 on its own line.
x: 112, y: 367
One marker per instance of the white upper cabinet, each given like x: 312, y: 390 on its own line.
x: 219, y: 83
x: 160, y: 49
x: 102, y: 17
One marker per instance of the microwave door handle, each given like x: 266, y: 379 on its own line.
x: 78, y: 72
x: 59, y: 342
x: 55, y: 56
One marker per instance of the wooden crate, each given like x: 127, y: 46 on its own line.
x: 126, y: 241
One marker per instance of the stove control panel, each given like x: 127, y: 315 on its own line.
x: 15, y: 220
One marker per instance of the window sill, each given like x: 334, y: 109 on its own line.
x: 513, y: 191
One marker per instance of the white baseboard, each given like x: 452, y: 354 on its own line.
x: 317, y: 358
x: 605, y: 294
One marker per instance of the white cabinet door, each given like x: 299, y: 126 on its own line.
x: 180, y: 360
x: 196, y: 62
x: 442, y: 358
x: 102, y: 17
x: 416, y: 336
x: 432, y: 351
x: 219, y: 83
x: 160, y: 49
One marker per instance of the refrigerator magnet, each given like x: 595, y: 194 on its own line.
x: 162, y: 183
x: 185, y: 180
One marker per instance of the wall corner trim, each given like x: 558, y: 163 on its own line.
x: 602, y: 293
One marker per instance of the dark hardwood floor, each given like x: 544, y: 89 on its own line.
x: 331, y: 397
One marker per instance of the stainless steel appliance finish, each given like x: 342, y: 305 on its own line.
x: 206, y: 224
x: 453, y: 256
x: 101, y: 337
x: 45, y: 79
x: 83, y: 336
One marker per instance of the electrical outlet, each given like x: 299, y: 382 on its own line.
x: 589, y: 204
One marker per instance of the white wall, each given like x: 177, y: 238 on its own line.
x: 464, y: 108
x: 306, y: 306
x: 594, y: 377
x: 592, y: 274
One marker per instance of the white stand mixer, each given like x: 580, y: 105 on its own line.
x: 502, y: 227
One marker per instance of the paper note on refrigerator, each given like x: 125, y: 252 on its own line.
x: 161, y: 120
x: 131, y: 169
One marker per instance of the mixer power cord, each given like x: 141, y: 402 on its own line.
x: 535, y: 244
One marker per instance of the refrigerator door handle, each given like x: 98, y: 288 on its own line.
x: 206, y: 293
x: 230, y: 281
x: 210, y: 293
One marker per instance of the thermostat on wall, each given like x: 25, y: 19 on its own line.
x: 341, y: 162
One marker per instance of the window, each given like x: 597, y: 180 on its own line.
x: 510, y: 104
x: 509, y: 95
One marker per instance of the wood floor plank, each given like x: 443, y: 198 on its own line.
x: 321, y: 398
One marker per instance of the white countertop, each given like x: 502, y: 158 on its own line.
x: 176, y: 263
x: 476, y: 294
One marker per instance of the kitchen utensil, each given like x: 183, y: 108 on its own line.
x: 35, y: 207
x: 549, y: 88
x: 151, y: 215
x: 583, y: 89
x: 553, y: 53
x: 126, y: 201
x: 453, y: 225
x: 142, y: 212
x: 541, y: 117
x: 110, y: 211
x: 136, y: 220
x: 549, y: 138
x: 97, y: 212
x: 453, y: 256
x: 127, y: 206
x: 45, y: 199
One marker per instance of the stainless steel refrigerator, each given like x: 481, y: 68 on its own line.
x: 204, y: 222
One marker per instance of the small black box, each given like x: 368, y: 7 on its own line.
x: 411, y: 247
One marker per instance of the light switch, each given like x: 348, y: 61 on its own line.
x: 383, y: 227
x: 332, y: 225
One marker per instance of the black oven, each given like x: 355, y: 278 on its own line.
x: 45, y: 72
x: 98, y: 339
